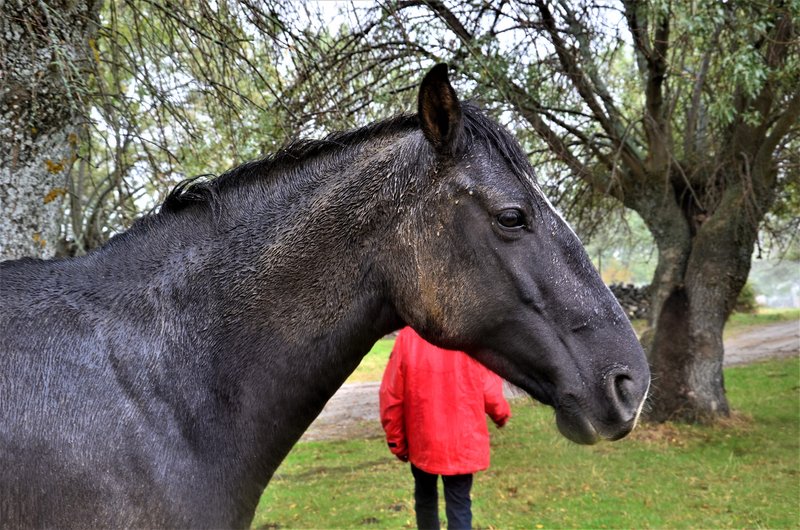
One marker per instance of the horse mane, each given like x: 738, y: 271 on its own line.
x: 196, y: 191
x: 477, y: 128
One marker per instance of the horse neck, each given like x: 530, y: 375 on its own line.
x: 279, y: 309
x: 316, y: 247
x: 290, y: 234
x: 316, y: 299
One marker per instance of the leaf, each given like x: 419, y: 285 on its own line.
x: 54, y: 167
x: 54, y: 194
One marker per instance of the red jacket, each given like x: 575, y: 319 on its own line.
x: 433, y: 405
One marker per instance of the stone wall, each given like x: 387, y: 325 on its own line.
x: 634, y: 300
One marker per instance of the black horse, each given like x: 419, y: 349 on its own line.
x: 160, y: 380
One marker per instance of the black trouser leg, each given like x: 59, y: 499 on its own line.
x: 426, y: 499
x: 458, y: 503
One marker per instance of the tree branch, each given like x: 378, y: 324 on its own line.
x: 652, y: 60
x: 531, y: 112
x: 530, y: 109
x: 690, y: 132
x: 787, y: 121
x: 609, y: 122
x: 637, y: 25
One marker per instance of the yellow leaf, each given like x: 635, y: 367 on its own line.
x: 54, y: 194
x: 95, y: 51
x: 54, y: 167
x: 37, y: 238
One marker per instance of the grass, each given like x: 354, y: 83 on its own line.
x: 743, y: 473
x: 739, y: 322
x: 373, y: 364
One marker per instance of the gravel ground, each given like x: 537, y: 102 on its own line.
x: 353, y: 411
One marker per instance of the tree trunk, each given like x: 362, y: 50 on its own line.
x: 686, y: 351
x: 686, y: 360
x: 44, y: 47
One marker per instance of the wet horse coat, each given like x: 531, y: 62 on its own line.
x: 160, y: 380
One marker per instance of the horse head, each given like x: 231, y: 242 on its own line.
x: 483, y: 263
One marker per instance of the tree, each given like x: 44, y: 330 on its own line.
x: 682, y: 112
x: 178, y: 89
x: 154, y: 92
x: 127, y: 99
x: 44, y: 49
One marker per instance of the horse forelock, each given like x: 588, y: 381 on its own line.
x: 479, y: 128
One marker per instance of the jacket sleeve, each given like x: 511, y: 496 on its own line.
x: 391, y: 403
x: 495, y: 403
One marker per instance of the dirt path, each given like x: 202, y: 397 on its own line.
x: 353, y: 411
x: 760, y: 342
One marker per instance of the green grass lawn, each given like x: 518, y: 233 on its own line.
x: 739, y: 322
x: 744, y: 473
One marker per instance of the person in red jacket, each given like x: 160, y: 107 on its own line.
x: 433, y: 405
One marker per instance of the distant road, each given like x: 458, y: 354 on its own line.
x: 353, y: 411
x: 773, y: 340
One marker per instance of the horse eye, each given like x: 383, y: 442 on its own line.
x: 511, y: 218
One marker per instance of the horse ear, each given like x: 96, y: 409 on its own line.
x: 439, y: 110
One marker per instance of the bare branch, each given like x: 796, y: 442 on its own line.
x: 579, y: 79
x: 690, y: 130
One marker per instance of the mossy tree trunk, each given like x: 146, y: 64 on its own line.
x: 44, y: 47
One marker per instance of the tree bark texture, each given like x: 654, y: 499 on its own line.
x: 697, y: 281
x: 44, y: 47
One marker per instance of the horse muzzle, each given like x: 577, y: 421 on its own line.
x: 610, y: 415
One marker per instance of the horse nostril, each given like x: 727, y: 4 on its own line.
x: 623, y: 385
x: 623, y: 402
x: 621, y: 390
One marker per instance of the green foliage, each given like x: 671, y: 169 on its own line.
x: 621, y: 248
x: 746, y: 301
x: 665, y: 476
x: 179, y: 89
